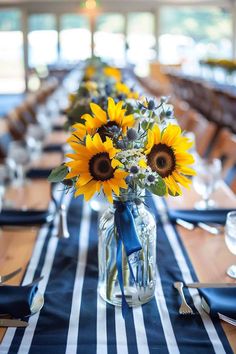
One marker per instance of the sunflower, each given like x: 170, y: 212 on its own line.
x: 167, y: 155
x: 112, y: 72
x: 89, y: 72
x: 123, y: 89
x: 95, y: 167
x: 101, y: 120
x: 91, y: 86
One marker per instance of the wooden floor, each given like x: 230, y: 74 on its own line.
x: 208, y: 253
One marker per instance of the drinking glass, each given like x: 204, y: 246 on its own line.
x: 208, y: 174
x: 34, y: 138
x: 230, y: 239
x: 21, y: 156
x: 3, y: 181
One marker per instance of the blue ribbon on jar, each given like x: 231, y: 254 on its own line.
x: 127, y: 234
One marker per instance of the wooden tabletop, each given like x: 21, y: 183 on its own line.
x: 208, y: 253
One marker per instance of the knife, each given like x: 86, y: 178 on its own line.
x: 211, y: 229
x: 4, y: 278
x: 190, y: 226
x: 210, y: 285
x: 8, y: 322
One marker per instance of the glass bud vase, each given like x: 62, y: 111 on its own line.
x: 139, y: 284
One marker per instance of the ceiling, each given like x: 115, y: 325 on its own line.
x: 106, y: 5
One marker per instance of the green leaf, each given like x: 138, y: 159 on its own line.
x: 58, y: 174
x: 173, y: 195
x: 159, y: 188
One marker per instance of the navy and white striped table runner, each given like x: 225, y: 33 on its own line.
x: 75, y: 320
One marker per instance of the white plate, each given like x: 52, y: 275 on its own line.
x: 37, y: 303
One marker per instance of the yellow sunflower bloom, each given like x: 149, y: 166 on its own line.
x: 91, y: 86
x: 167, y: 155
x: 71, y: 98
x: 89, y: 72
x: 112, y: 72
x: 96, y: 167
x: 101, y: 120
x: 123, y: 89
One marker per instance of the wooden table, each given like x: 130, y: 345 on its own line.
x: 208, y: 253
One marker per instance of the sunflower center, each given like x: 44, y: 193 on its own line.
x: 162, y: 160
x: 100, y: 167
x: 105, y: 131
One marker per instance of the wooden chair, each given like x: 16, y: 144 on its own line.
x: 15, y: 124
x: 5, y: 138
x: 225, y: 149
x: 25, y: 115
x: 204, y: 131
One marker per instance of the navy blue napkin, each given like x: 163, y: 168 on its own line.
x: 58, y: 128
x: 222, y: 300
x: 29, y: 217
x: 194, y: 216
x: 36, y: 173
x: 16, y: 300
x: 53, y: 148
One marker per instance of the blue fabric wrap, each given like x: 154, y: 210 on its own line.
x: 194, y: 216
x: 127, y: 234
x: 16, y: 300
x: 220, y: 300
x: 16, y: 217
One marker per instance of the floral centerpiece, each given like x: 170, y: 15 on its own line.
x: 99, y: 82
x: 122, y: 155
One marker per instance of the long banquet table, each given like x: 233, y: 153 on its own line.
x: 206, y: 256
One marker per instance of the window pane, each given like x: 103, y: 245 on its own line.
x: 141, y: 39
x: 189, y: 34
x: 109, y: 38
x: 75, y: 38
x: 42, y: 39
x: 10, y: 20
x: 11, y: 52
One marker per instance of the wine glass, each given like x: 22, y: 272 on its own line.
x: 3, y: 181
x: 34, y: 138
x: 208, y: 174
x: 20, y: 155
x: 230, y: 239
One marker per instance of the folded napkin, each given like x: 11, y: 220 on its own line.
x: 53, y: 148
x: 58, y: 127
x: 17, y: 300
x: 194, y: 216
x: 24, y: 218
x: 222, y: 300
x: 35, y: 173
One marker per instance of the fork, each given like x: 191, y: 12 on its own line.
x: 184, y: 309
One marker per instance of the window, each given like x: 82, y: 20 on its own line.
x: 42, y: 39
x: 109, y: 38
x: 75, y: 38
x: 141, y: 39
x: 191, y: 33
x: 11, y: 52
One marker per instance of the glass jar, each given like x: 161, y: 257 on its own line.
x: 139, y: 285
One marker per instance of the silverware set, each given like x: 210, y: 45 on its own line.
x: 185, y: 308
x: 213, y: 229
x: 5, y: 319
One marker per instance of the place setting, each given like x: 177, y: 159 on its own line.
x: 17, y: 303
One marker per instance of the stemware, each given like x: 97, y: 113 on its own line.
x: 20, y: 155
x: 206, y: 181
x: 3, y: 180
x: 34, y: 138
x: 230, y: 239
